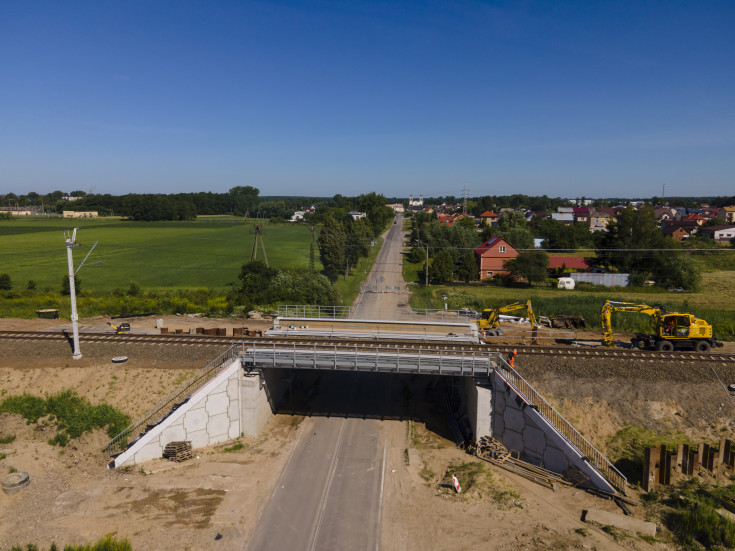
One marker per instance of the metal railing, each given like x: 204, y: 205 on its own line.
x: 563, y: 427
x: 398, y: 314
x: 385, y: 359
x: 161, y: 410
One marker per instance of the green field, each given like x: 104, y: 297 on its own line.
x: 202, y: 254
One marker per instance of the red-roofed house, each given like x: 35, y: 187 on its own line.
x: 569, y: 262
x: 492, y: 254
x: 489, y: 218
x: 698, y: 219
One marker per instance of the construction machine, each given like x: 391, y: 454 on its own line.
x: 122, y: 328
x: 490, y: 320
x: 672, y: 330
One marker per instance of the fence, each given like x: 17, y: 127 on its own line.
x: 570, y: 434
x: 158, y: 412
x: 403, y: 313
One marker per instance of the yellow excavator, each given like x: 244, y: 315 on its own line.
x: 122, y: 328
x: 490, y: 320
x: 672, y: 330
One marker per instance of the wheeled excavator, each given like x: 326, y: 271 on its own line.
x: 122, y: 328
x: 490, y: 320
x: 672, y: 330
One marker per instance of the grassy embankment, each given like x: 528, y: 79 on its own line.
x: 715, y: 302
x: 176, y: 267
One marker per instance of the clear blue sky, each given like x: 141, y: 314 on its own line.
x: 558, y: 98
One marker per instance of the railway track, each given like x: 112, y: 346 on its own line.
x: 570, y: 351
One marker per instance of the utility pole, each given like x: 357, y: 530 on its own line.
x: 72, y: 242
x: 464, y: 206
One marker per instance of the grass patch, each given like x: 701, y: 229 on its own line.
x: 9, y: 439
x: 688, y: 509
x: 72, y: 414
x: 476, y: 478
x: 109, y: 543
x: 236, y: 447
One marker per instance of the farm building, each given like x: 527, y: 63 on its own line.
x: 719, y: 233
x: 80, y: 214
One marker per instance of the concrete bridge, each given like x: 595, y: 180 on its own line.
x: 238, y: 392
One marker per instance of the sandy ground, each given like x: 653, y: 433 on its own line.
x: 74, y: 499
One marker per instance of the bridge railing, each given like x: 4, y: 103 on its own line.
x: 403, y: 313
x: 158, y: 412
x: 563, y: 427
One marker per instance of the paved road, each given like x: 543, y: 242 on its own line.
x: 386, y: 273
x: 329, y: 495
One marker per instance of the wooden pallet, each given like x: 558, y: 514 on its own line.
x: 178, y: 451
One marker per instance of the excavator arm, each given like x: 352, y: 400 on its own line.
x: 491, y: 316
x: 611, y: 306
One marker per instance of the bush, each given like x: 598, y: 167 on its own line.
x: 73, y: 414
x: 5, y: 283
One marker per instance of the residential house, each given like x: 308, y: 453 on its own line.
x: 566, y: 218
x: 297, y: 216
x: 600, y: 218
x: 729, y: 214
x: 719, y: 233
x: 671, y: 227
x: 664, y: 213
x: 356, y: 215
x: 581, y: 215
x: 489, y: 218
x: 491, y: 256
x: 398, y: 208
x: 710, y: 212
x: 678, y: 232
x: 694, y: 217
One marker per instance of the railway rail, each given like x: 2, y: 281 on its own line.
x: 373, y: 344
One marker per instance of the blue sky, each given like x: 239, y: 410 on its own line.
x: 560, y: 98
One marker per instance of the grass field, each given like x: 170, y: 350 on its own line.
x: 204, y: 254
x: 714, y: 303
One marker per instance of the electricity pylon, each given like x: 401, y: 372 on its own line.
x: 312, y: 229
x: 258, y: 237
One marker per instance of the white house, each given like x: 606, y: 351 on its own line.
x: 718, y: 233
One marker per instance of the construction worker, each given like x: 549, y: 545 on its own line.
x: 512, y: 358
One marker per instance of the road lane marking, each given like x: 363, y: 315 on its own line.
x: 327, y: 485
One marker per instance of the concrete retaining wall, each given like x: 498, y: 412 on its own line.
x: 232, y: 404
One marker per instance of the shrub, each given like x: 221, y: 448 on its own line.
x: 5, y: 283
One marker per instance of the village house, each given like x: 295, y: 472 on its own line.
x: 581, y: 215
x: 729, y: 216
x: 489, y: 218
x: 719, y: 233
x: 491, y: 256
x: 398, y: 208
x: 356, y: 215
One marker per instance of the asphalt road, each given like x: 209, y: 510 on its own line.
x: 329, y: 495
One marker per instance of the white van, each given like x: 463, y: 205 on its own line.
x: 565, y: 283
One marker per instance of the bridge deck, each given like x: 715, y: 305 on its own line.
x: 430, y: 362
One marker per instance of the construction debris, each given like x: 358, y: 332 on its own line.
x: 493, y: 451
x: 178, y: 451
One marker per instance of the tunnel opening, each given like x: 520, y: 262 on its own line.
x: 437, y: 402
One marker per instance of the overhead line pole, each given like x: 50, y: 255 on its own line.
x: 72, y: 242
